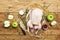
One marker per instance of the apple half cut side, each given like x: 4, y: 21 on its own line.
x: 50, y: 17
x: 14, y: 24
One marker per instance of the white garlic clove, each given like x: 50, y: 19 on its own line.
x: 10, y: 16
x: 21, y: 12
x: 6, y: 25
x: 36, y: 27
x: 53, y: 23
x: 7, y: 22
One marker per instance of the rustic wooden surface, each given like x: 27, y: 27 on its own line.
x: 13, y: 6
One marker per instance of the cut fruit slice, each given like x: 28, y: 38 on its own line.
x: 14, y: 24
x: 50, y: 17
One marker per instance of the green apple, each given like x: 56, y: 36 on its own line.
x: 14, y: 24
x: 50, y: 17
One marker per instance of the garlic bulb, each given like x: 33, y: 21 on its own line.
x: 6, y: 25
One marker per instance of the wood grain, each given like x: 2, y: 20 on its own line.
x: 13, y: 6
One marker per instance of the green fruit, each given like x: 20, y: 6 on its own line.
x: 50, y: 17
x: 14, y: 24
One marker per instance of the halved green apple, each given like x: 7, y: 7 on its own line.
x: 50, y: 17
x: 14, y: 24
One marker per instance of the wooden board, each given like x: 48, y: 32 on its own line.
x: 15, y: 5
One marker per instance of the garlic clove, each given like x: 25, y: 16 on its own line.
x: 6, y: 25
x: 53, y: 23
x: 21, y: 12
x: 6, y: 22
x: 10, y: 16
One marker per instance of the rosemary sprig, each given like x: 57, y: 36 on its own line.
x: 27, y: 10
x: 23, y: 20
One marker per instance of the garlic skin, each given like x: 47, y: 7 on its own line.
x: 10, y: 16
x: 53, y: 23
x: 21, y: 12
x: 6, y: 23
